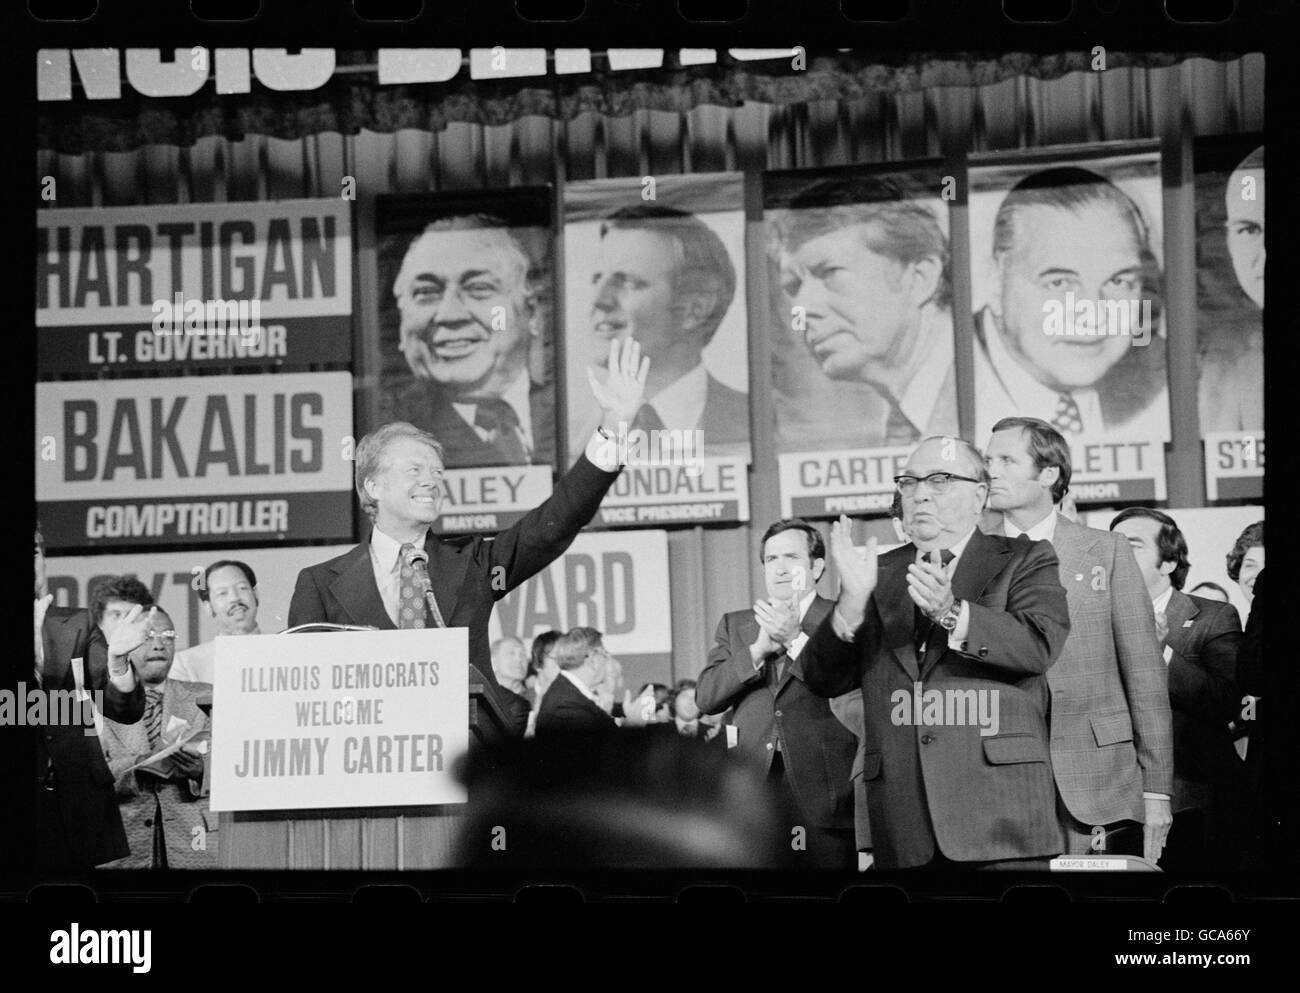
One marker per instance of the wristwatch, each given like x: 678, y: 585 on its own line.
x: 948, y: 621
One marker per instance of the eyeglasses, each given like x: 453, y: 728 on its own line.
x: 164, y: 635
x: 938, y: 482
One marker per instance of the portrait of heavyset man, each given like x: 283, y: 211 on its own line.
x: 471, y: 331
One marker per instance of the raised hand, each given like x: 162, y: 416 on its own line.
x: 779, y: 618
x: 127, y: 635
x: 621, y: 394
x: 929, y: 586
x: 856, y: 566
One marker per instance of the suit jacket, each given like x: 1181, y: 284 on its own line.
x: 1204, y: 637
x: 463, y: 569
x: 564, y: 710
x: 951, y: 788
x: 83, y: 785
x: 516, y: 709
x: 725, y: 421
x: 1112, y: 734
x: 816, y: 749
x: 428, y: 406
x: 848, y: 711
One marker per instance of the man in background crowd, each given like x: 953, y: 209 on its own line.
x: 755, y: 667
x: 1199, y: 640
x: 510, y: 665
x: 229, y: 589
x: 1111, y: 731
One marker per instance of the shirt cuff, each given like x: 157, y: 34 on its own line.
x: 1154, y: 796
x: 602, y: 452
x: 957, y: 635
x: 796, y: 645
x: 841, y: 626
x: 125, y: 682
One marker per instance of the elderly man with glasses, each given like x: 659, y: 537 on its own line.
x: 950, y: 637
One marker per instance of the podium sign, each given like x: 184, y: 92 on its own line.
x: 339, y: 719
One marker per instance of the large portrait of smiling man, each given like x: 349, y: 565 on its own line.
x: 465, y: 337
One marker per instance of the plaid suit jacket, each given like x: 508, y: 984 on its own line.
x: 1111, y: 730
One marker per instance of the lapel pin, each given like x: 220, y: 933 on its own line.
x: 1078, y: 577
x: 1187, y: 623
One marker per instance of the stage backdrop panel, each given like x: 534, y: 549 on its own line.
x: 194, y: 461
x: 1230, y: 312
x: 1210, y: 534
x: 662, y: 259
x: 174, y: 579
x: 861, y: 332
x: 1066, y: 256
x: 615, y: 582
x: 128, y: 289
x: 465, y: 329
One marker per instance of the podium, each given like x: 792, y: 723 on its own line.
x: 372, y: 838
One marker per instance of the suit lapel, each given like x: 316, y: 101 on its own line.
x: 447, y: 566
x: 356, y: 593
x: 1071, y: 542
x: 1180, y: 610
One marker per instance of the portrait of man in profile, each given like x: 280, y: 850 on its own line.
x: 471, y: 324
x: 863, y: 263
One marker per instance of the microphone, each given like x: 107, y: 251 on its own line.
x: 417, y: 560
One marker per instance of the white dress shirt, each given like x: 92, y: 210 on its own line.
x: 680, y: 404
x: 1044, y: 530
x: 518, y: 396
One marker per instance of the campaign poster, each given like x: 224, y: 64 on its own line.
x: 615, y: 582
x: 859, y: 266
x: 191, y: 286
x: 197, y: 460
x: 1230, y: 312
x: 662, y: 260
x: 465, y: 335
x: 174, y: 579
x: 1066, y: 250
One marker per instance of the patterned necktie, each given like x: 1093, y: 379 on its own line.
x: 153, y: 715
x: 501, y: 423
x: 1067, y: 419
x: 899, y: 430
x: 410, y: 599
x: 922, y: 626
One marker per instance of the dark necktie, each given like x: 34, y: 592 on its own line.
x: 501, y: 423
x: 153, y: 715
x: 411, y: 600
x: 647, y: 419
x: 922, y: 625
x: 1067, y: 418
x: 899, y: 430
